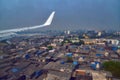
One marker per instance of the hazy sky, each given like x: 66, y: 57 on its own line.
x: 70, y: 14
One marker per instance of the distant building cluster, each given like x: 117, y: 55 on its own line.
x: 61, y: 57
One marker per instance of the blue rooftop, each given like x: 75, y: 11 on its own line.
x: 14, y: 70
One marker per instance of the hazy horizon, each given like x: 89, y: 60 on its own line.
x: 70, y: 14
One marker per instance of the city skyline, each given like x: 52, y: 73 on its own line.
x: 59, y: 39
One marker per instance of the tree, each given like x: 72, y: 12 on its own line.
x: 79, y: 43
x: 69, y: 59
x: 113, y: 67
x: 50, y: 47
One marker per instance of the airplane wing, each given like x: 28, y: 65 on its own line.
x: 4, y: 34
x: 47, y: 23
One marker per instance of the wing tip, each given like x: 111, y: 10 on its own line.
x: 50, y: 19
